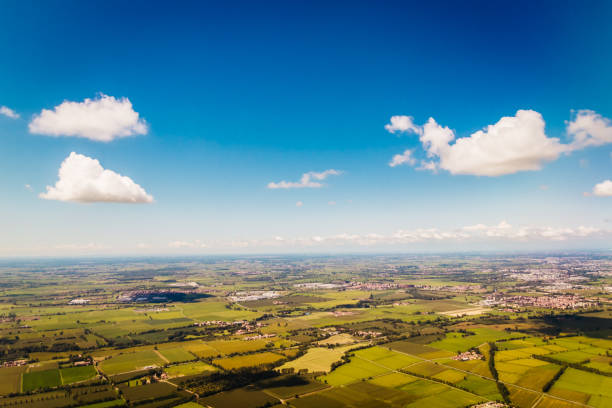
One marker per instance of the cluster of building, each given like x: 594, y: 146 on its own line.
x: 260, y: 336
x: 555, y: 275
x: 248, y: 327
x: 193, y: 285
x: 467, y: 356
x: 79, y: 301
x: 332, y: 331
x: 546, y: 302
x: 243, y: 326
x: 146, y: 296
x: 372, y: 286
x: 253, y: 295
x: 14, y: 363
x: 368, y: 333
x: 318, y: 285
x: 456, y: 288
x: 490, y: 404
x: 220, y: 323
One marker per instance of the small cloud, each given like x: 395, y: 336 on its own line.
x: 429, y: 166
x: 544, y: 187
x: 143, y: 245
x: 331, y: 203
x: 28, y: 187
x: 589, y: 128
x: 8, y: 112
x: 603, y: 189
x: 83, y: 180
x: 309, y: 180
x: 102, y: 119
x: 299, y: 204
x: 402, y: 124
x: 583, y: 163
x: 404, y: 158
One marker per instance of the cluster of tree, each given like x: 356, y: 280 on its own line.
x: 553, y: 380
x: 501, y: 387
x: 577, y: 366
x: 212, y: 383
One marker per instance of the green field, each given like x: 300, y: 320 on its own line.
x: 188, y: 369
x: 250, y: 360
x: 41, y: 379
x: 131, y: 362
x: 237, y: 346
x: 597, y: 387
x: 10, y: 379
x: 357, y: 369
x: 176, y: 355
x: 242, y: 397
x: 317, y: 359
x: 75, y: 374
x: 387, y: 358
x: 457, y: 342
x: 107, y: 404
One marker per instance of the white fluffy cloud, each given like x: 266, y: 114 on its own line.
x: 311, y: 179
x: 8, y: 112
x: 402, y: 124
x: 404, y: 158
x: 101, y: 119
x: 589, y: 128
x: 603, y: 189
x: 82, y: 179
x: 513, y: 144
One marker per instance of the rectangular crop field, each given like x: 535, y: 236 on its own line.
x: 10, y: 379
x: 353, y: 371
x: 242, y: 397
x: 176, y: 355
x: 41, y: 379
x: 75, y: 374
x: 317, y: 359
x: 249, y: 360
x: 131, y: 362
x: 193, y: 368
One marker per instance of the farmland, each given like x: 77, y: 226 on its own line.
x: 355, y: 332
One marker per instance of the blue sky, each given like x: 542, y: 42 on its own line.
x: 236, y: 96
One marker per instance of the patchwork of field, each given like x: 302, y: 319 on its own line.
x: 457, y: 342
x: 584, y: 387
x: 398, y: 390
x: 313, y: 343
